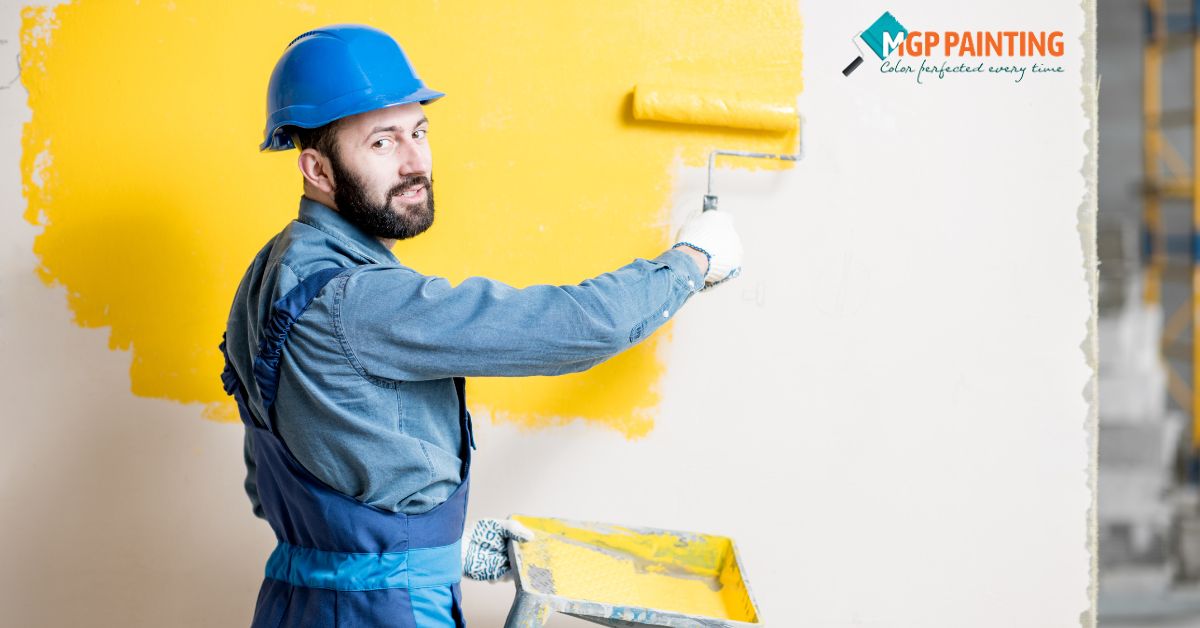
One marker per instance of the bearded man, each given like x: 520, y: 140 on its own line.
x: 349, y: 367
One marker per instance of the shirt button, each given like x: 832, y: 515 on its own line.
x: 691, y: 284
x: 666, y: 313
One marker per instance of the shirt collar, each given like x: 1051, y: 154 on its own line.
x: 330, y: 221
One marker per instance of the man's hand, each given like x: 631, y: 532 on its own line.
x: 485, y: 547
x: 712, y: 233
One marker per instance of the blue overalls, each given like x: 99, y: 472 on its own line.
x: 341, y: 562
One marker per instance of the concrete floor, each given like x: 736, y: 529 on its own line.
x: 1180, y: 608
x: 1193, y: 622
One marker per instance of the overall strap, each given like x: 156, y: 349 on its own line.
x: 284, y: 313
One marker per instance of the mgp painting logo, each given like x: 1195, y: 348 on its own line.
x: 932, y: 53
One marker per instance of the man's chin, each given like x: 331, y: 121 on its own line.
x: 416, y: 221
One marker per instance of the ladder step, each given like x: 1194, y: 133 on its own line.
x: 1177, y: 117
x: 1172, y: 188
x: 1180, y: 351
x: 1178, y: 271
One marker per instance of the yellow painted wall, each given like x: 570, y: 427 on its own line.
x: 141, y: 161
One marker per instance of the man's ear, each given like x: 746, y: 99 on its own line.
x: 315, y: 168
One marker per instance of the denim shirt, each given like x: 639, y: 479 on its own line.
x: 366, y: 398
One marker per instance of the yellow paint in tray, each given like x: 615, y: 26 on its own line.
x: 686, y: 573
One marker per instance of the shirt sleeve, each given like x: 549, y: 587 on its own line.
x: 400, y: 325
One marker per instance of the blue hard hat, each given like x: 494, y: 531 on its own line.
x: 334, y: 72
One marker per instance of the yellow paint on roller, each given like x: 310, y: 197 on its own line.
x: 141, y: 161
x: 693, y: 574
x: 743, y: 109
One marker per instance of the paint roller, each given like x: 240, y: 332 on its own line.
x: 753, y: 111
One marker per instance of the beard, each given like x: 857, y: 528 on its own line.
x: 379, y: 219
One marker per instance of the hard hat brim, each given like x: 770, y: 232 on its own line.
x: 311, y: 117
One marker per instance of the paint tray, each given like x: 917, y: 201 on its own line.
x: 621, y: 576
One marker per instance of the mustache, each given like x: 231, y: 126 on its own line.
x: 408, y: 181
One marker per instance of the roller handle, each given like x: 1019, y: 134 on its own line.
x: 853, y: 66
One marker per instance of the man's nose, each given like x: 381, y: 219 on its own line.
x: 412, y: 159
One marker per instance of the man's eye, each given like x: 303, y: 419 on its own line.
x: 381, y: 142
x: 420, y: 134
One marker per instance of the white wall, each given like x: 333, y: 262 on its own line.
x: 887, y: 411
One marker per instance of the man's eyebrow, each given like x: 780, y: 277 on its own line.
x: 392, y: 128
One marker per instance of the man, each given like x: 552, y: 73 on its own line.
x: 348, y: 367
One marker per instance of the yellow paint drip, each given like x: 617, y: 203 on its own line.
x: 758, y: 110
x: 141, y: 161
x: 692, y: 574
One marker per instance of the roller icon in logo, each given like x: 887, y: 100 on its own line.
x: 882, y: 37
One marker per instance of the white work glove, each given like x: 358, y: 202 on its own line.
x: 712, y: 233
x: 485, y: 547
